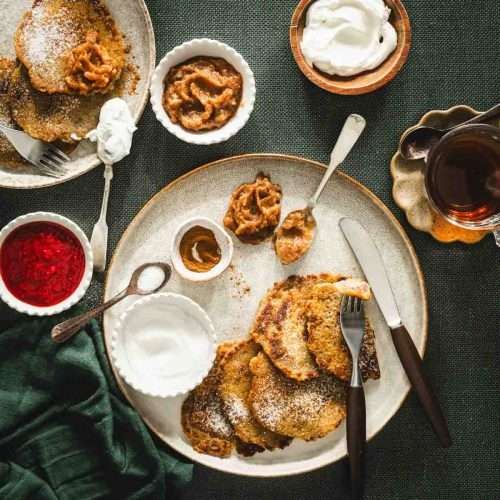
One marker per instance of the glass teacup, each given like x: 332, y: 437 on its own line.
x: 462, y: 177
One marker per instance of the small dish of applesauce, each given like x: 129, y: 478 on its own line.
x: 201, y: 249
x: 203, y: 92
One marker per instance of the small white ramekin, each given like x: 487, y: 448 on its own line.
x: 223, y: 240
x: 146, y: 316
x: 24, y: 308
x: 209, y: 48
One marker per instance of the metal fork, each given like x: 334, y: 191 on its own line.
x: 352, y: 322
x: 49, y: 159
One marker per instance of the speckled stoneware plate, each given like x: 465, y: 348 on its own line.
x: 409, y: 187
x: 132, y: 17
x: 231, y: 299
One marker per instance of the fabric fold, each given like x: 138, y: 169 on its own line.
x: 65, y: 431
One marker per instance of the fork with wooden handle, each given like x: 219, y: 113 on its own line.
x: 368, y: 256
x: 352, y: 322
x: 49, y: 159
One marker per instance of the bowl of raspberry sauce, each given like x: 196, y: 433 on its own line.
x: 45, y: 264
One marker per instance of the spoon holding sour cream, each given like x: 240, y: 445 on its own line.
x: 114, y: 141
x: 296, y: 234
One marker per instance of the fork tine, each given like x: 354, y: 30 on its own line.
x: 59, y: 153
x: 350, y: 304
x: 46, y: 156
x: 53, y: 166
x: 357, y: 305
x: 53, y: 162
x: 46, y: 170
x: 343, y: 304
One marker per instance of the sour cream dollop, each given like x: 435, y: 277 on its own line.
x: 114, y: 132
x: 347, y: 37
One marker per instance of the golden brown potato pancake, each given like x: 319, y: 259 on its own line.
x: 236, y: 381
x: 203, y: 419
x: 326, y: 342
x: 50, y: 31
x: 297, y: 320
x: 9, y: 157
x: 307, y: 410
x: 52, y: 117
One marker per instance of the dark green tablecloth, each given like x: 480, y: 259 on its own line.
x: 65, y: 432
x: 454, y: 59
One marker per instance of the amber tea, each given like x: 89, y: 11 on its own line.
x: 463, y: 175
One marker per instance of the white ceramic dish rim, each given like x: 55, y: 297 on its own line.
x: 223, y: 240
x: 187, y: 303
x: 76, y: 296
x: 204, y: 47
x: 94, y: 160
x: 319, y: 463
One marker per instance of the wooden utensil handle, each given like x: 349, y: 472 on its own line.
x: 65, y: 330
x: 356, y: 439
x: 412, y: 363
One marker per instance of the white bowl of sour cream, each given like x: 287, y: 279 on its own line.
x: 163, y: 345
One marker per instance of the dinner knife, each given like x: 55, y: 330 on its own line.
x: 369, y: 258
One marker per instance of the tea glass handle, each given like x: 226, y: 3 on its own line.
x: 496, y: 234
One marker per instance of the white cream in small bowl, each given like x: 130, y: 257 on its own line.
x: 348, y: 37
x: 224, y: 242
x: 207, y: 48
x: 163, y: 345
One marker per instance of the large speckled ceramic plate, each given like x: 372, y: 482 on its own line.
x: 231, y: 300
x: 132, y: 17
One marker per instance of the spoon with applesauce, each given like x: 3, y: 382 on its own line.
x: 294, y: 237
x: 146, y: 280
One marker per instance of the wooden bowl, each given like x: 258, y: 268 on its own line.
x: 365, y: 82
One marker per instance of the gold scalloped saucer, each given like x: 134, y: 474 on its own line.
x: 408, y: 188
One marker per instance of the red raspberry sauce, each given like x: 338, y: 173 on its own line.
x: 42, y: 263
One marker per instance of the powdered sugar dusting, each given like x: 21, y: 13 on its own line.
x: 236, y: 410
x: 205, y: 407
x: 215, y: 420
x: 282, y: 399
x: 48, y: 37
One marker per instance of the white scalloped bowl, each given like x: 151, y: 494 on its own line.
x: 210, y: 48
x: 223, y: 240
x: 76, y: 296
x: 151, y: 355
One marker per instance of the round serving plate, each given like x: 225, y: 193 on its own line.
x: 132, y: 18
x: 231, y: 300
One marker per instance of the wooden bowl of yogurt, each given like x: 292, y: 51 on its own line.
x: 350, y: 47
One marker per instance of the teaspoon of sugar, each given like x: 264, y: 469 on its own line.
x: 145, y: 280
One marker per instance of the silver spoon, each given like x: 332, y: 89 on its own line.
x: 416, y: 144
x: 65, y: 330
x: 291, y: 241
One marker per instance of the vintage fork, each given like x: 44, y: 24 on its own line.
x: 352, y: 322
x: 49, y: 159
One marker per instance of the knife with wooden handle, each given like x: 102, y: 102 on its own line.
x: 371, y: 262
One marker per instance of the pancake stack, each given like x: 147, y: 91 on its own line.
x: 288, y: 380
x: 46, y: 92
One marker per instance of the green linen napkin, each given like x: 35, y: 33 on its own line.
x: 65, y: 433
